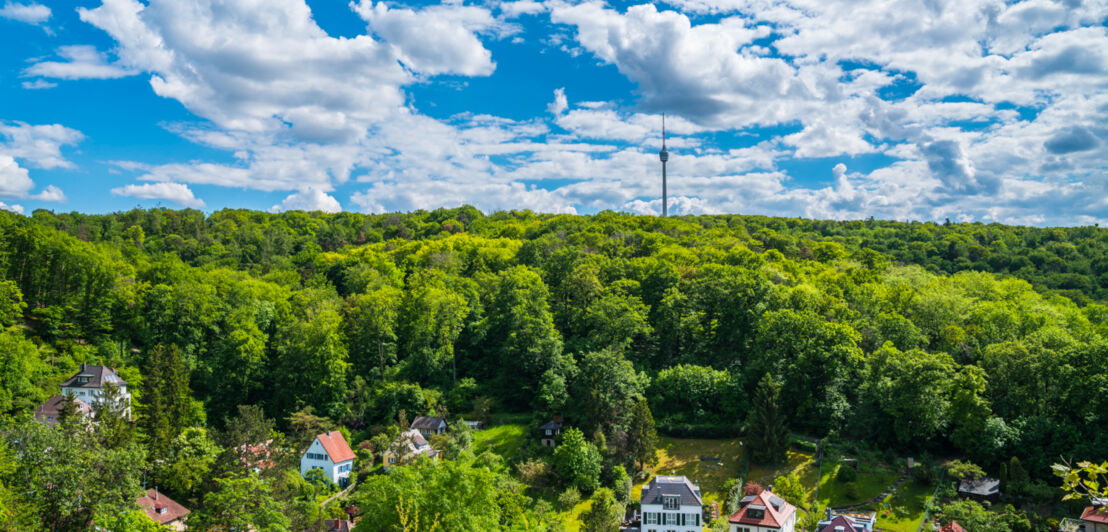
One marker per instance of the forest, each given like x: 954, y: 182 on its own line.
x: 984, y: 342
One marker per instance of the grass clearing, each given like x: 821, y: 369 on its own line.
x: 873, y: 479
x: 505, y: 440
x: 682, y: 456
x: 572, y: 518
x: 903, y: 510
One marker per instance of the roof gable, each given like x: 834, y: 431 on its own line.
x: 428, y: 422
x: 1095, y: 514
x: 776, y: 511
x: 679, y: 486
x: 335, y: 445
x: 160, y: 508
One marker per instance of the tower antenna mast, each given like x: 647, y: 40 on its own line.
x: 664, y: 156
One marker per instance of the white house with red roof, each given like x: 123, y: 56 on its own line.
x: 1093, y: 519
x: 329, y: 452
x: 763, y: 512
x: 163, y: 510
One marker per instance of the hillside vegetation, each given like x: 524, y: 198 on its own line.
x: 987, y: 341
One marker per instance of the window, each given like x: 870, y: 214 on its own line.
x: 651, y: 518
x: 670, y: 502
x: 671, y: 519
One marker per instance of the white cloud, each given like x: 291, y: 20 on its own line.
x: 311, y: 199
x: 50, y: 193
x: 176, y: 192
x: 39, y: 145
x: 18, y: 209
x: 31, y: 13
x: 81, y: 62
x: 434, y: 40
x: 38, y: 84
x: 14, y: 180
x: 560, y: 103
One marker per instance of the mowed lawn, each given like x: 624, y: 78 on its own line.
x: 682, y: 456
x: 903, y: 510
x: 873, y: 479
x: 505, y: 440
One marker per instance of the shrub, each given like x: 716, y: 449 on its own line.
x: 846, y: 474
x: 850, y: 490
x: 568, y: 499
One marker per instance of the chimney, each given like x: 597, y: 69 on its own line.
x: 830, y: 514
x: 82, y: 366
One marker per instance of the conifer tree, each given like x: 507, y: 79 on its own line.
x: 166, y: 401
x: 766, y: 432
x: 641, y: 435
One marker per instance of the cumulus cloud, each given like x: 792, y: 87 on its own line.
x: 1071, y: 139
x: 560, y: 103
x: 14, y: 180
x: 31, y: 13
x: 50, y: 193
x: 176, y: 192
x: 434, y: 40
x: 18, y: 209
x: 39, y: 145
x: 311, y: 199
x: 81, y: 62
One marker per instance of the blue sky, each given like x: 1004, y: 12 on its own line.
x: 972, y: 110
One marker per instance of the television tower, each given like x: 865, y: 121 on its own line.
x: 664, y: 156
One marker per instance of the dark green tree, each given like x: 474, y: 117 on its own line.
x: 166, y: 399
x: 577, y: 461
x: 605, y: 514
x: 642, y: 437
x: 766, y: 431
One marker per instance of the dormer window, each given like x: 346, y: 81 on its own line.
x: 671, y: 502
x: 756, y: 511
x: 82, y: 379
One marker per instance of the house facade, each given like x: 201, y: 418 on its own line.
x: 847, y: 522
x: 763, y: 512
x: 330, y: 453
x: 407, y: 447
x: 672, y: 504
x: 49, y: 411
x: 1094, y: 518
x: 549, y: 431
x: 429, y: 426
x: 163, y: 510
x: 87, y: 385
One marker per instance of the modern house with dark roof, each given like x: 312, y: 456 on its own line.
x: 49, y: 411
x: 329, y: 452
x: 429, y: 426
x: 764, y: 512
x: 88, y: 386
x: 163, y: 510
x: 671, y: 504
x: 980, y: 489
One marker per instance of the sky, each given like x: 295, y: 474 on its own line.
x: 967, y: 110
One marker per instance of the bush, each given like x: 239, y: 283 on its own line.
x: 805, y: 445
x: 568, y: 499
x: 850, y: 490
x: 846, y: 474
x: 924, y: 474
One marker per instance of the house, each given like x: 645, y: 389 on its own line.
x: 429, y: 426
x: 671, y: 504
x: 952, y: 526
x: 847, y: 522
x: 407, y: 447
x: 257, y: 456
x: 48, y: 412
x: 329, y: 452
x: 763, y: 512
x: 338, y: 525
x: 1093, y: 519
x: 88, y: 386
x: 980, y: 489
x: 549, y: 432
x: 163, y: 510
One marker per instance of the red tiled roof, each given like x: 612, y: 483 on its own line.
x: 952, y: 527
x: 153, y: 501
x: 773, y: 516
x: 1095, y: 514
x: 336, y: 446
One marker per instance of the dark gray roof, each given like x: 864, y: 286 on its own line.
x: 97, y: 376
x: 982, y: 486
x: 427, y: 423
x: 668, y: 485
x: 550, y: 425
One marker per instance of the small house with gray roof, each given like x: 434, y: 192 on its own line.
x: 672, y: 504
x: 429, y: 425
